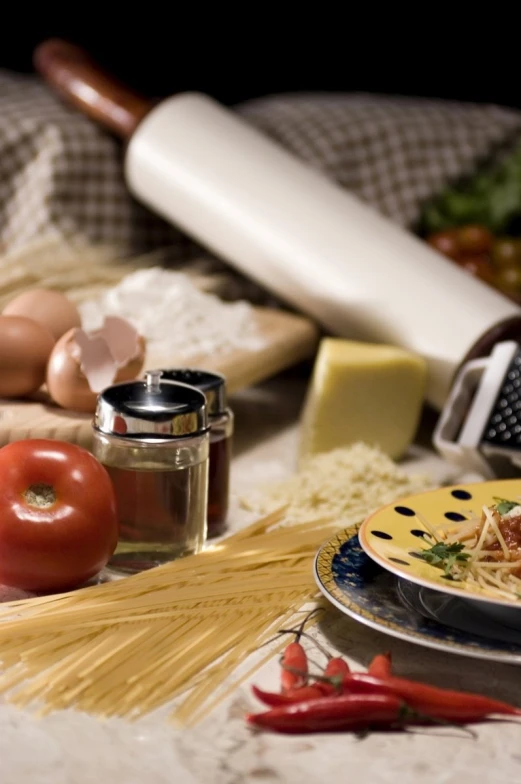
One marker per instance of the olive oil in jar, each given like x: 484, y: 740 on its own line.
x: 159, y: 513
x: 152, y: 437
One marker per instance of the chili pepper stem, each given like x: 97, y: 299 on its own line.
x: 312, y: 661
x: 334, y: 680
x: 312, y: 639
x: 300, y: 629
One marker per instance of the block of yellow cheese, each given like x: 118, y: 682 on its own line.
x: 362, y: 392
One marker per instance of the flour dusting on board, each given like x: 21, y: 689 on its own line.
x: 174, y: 316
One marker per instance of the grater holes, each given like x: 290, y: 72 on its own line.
x: 504, y: 424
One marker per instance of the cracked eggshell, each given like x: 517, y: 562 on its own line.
x: 50, y: 308
x: 82, y: 363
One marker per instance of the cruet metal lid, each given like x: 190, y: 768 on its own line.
x: 212, y: 384
x: 153, y: 407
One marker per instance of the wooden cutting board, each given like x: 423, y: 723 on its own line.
x: 289, y: 339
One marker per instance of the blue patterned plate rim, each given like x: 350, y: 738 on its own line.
x: 363, y: 590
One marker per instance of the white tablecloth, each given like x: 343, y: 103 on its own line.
x: 73, y: 748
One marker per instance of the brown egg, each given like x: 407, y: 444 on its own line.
x: 82, y: 364
x: 50, y: 308
x: 25, y: 347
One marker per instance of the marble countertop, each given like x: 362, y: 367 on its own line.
x: 74, y: 748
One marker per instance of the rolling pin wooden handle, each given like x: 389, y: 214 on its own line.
x: 78, y: 79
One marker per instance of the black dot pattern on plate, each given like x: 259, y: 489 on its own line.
x: 456, y: 517
x: 418, y: 532
x: 381, y: 534
x: 399, y: 561
x: 405, y: 510
x: 463, y: 495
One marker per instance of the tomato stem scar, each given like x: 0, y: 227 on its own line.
x: 40, y: 496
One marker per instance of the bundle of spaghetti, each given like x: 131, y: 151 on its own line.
x: 180, y: 630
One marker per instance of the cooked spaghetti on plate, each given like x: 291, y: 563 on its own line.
x: 482, y: 552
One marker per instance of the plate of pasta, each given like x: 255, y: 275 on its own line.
x: 463, y: 540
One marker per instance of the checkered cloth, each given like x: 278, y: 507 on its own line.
x: 62, y: 175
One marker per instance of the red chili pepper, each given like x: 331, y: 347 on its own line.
x: 381, y: 666
x: 337, y: 668
x: 430, y: 700
x: 344, y: 712
x: 294, y: 665
x: 304, y: 694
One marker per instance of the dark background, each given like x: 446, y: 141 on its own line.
x: 254, y: 50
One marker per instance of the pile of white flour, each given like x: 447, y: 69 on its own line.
x: 174, y: 316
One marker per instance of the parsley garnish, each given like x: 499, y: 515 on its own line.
x: 445, y: 556
x: 503, y: 506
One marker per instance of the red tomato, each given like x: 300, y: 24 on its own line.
x: 474, y: 240
x: 446, y: 242
x: 479, y: 266
x: 58, y: 518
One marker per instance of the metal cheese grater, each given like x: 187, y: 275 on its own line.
x: 479, y: 428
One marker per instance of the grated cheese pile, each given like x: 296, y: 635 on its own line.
x: 174, y: 316
x: 347, y: 484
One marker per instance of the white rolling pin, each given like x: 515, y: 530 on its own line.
x: 287, y: 227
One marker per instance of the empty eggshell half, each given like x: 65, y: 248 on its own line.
x: 82, y: 363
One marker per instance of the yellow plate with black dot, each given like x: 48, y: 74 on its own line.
x: 395, y: 534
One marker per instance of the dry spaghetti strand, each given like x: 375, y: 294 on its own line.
x: 185, y: 630
x: 127, y: 647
